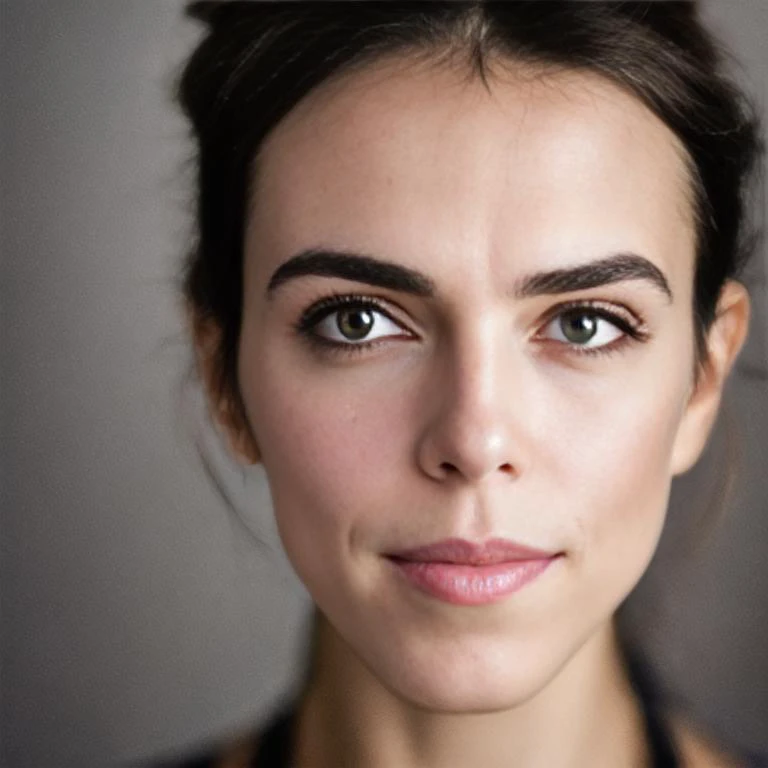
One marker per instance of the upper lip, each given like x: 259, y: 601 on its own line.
x: 463, y: 552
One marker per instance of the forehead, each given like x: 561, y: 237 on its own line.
x: 423, y: 163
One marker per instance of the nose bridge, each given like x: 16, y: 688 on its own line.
x: 474, y: 402
x: 472, y: 370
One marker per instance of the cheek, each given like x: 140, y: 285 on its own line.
x: 620, y: 475
x: 334, y: 444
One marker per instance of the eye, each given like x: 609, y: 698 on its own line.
x: 341, y: 321
x: 583, y: 328
x: 593, y: 327
x: 354, y: 324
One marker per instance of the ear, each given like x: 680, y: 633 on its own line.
x: 724, y: 342
x: 224, y: 407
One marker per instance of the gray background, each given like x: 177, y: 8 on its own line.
x: 136, y: 615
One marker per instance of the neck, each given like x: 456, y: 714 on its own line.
x: 587, y: 715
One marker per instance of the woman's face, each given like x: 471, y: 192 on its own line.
x: 516, y: 365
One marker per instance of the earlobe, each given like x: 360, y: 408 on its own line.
x: 225, y: 410
x: 725, y: 340
x: 231, y: 420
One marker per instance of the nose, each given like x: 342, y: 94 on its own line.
x: 472, y: 433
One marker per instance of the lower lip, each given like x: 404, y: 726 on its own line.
x: 472, y: 584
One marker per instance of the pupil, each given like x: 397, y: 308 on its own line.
x: 355, y: 323
x: 579, y: 328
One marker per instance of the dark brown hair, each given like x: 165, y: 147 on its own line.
x: 258, y: 59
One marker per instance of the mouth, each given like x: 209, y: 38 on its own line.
x: 462, y: 572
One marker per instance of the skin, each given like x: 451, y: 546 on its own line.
x: 472, y: 417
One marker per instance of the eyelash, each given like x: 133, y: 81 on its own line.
x: 628, y: 322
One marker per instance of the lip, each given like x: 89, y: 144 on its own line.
x: 462, y: 572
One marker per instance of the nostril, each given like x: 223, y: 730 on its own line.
x: 507, y: 469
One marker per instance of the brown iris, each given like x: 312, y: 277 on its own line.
x: 354, y: 324
x: 578, y: 327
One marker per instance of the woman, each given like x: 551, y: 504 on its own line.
x: 465, y: 286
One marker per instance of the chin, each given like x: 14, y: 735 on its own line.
x: 455, y: 695
x: 482, y: 678
x: 464, y: 703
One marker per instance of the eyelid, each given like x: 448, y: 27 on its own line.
x: 337, y: 301
x: 625, y: 318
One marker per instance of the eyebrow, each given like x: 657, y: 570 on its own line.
x: 362, y: 268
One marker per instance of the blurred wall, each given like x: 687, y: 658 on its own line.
x: 136, y: 616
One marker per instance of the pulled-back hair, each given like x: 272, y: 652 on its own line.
x: 259, y: 59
